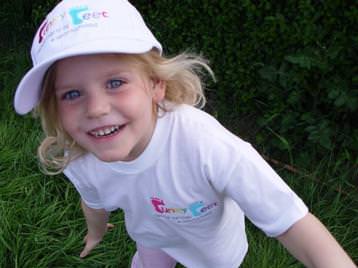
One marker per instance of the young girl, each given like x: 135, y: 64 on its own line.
x: 120, y: 122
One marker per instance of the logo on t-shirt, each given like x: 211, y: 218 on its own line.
x: 190, y: 213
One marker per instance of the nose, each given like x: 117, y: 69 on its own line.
x: 97, y: 105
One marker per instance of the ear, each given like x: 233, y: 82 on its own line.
x: 159, y: 89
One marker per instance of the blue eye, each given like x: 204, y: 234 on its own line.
x: 114, y: 83
x: 71, y: 95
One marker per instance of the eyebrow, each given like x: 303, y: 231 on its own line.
x: 115, y: 72
x: 111, y: 73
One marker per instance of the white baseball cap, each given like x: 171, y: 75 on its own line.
x: 80, y: 27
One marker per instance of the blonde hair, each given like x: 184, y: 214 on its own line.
x: 183, y: 75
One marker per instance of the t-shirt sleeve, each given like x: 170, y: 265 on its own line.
x: 237, y: 170
x: 79, y: 176
x: 264, y: 197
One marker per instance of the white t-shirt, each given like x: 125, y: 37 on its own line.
x: 189, y: 191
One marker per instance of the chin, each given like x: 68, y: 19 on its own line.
x: 112, y: 157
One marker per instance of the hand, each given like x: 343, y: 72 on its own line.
x: 92, y: 242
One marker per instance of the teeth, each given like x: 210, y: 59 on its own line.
x: 105, y: 132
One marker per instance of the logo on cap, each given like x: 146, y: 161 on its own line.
x: 63, y: 22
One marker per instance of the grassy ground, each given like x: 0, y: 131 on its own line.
x: 41, y: 224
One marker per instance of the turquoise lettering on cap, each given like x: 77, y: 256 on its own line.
x: 74, y: 13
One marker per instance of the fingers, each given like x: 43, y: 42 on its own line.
x: 110, y: 226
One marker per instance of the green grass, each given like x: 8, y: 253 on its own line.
x: 41, y: 224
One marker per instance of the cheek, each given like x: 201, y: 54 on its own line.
x: 67, y: 116
x: 134, y: 103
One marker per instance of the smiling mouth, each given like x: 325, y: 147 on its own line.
x: 106, y: 131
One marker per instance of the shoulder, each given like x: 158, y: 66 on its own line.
x: 80, y: 168
x: 204, y: 137
x: 83, y: 161
x: 192, y: 114
x: 191, y: 120
x: 204, y: 128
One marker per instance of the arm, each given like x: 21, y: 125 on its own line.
x: 310, y: 242
x: 97, y: 226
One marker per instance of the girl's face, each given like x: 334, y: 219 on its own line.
x: 106, y: 103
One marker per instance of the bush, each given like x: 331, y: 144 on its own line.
x: 286, y: 70
x: 287, y: 67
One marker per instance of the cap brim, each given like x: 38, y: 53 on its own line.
x: 29, y: 89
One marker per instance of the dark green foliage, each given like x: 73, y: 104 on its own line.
x: 288, y: 66
x: 19, y: 20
